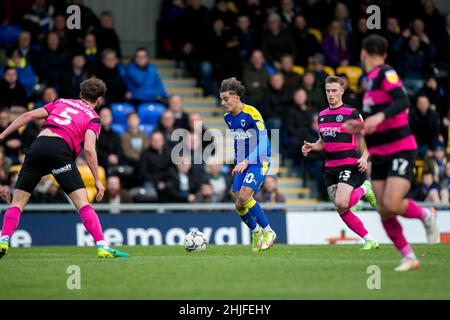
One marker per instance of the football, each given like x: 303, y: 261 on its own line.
x: 195, y: 241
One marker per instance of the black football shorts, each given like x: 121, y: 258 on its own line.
x: 49, y: 155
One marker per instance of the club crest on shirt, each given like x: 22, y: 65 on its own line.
x: 243, y: 123
x: 339, y: 118
x: 260, y: 125
x: 392, y: 76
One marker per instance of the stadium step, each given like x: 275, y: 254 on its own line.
x: 179, y: 82
x: 163, y: 63
x: 205, y: 111
x: 296, y: 191
x: 289, y: 182
x: 186, y: 92
x: 200, y: 102
x: 167, y: 73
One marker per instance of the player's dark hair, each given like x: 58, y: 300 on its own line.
x: 232, y: 85
x: 92, y: 89
x: 375, y: 45
x: 334, y: 79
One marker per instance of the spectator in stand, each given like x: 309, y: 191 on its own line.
x: 91, y: 52
x: 276, y: 41
x: 38, y: 19
x: 342, y: 15
x: 211, y: 55
x: 436, y: 164
x: 196, y: 125
x: 429, y: 190
x: 108, y: 145
x: 255, y: 78
x: 66, y: 39
x: 180, y: 184
x: 254, y: 11
x: 219, y: 181
x: 437, y: 97
x: 221, y: 11
x: 12, y: 92
x: 317, y: 65
x: 114, y: 194
x: 433, y: 20
x: 166, y: 126
x: 276, y: 102
x: 393, y: 35
x: 88, y: 18
x: 106, y: 35
x: 169, y: 36
x: 142, y: 79
x: 414, y: 63
x: 349, y: 97
x: 12, y: 145
x: 54, y: 62
x: 297, y: 123
x: 316, y: 96
x: 269, y: 192
x: 336, y: 46
x: 70, y: 87
x: 306, y: 44
x: 155, y: 162
x: 246, y: 37
x: 194, y: 22
x: 206, y: 194
x: 181, y: 117
x: 30, y: 54
x: 48, y: 95
x: 292, y: 80
x: 287, y: 12
x: 25, y: 72
x: 109, y: 72
x: 425, y: 125
x: 357, y: 37
x: 134, y: 141
x: 443, y: 48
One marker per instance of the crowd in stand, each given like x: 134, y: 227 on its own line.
x: 281, y: 49
x: 284, y: 49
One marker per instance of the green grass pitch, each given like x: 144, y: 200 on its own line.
x: 285, y: 272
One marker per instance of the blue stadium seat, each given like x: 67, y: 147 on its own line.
x: 118, y: 128
x: 147, y: 128
x: 120, y: 112
x: 150, y: 112
x: 9, y: 35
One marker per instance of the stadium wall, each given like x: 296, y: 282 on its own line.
x: 223, y: 228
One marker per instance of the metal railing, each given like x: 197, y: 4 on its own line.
x: 189, y: 207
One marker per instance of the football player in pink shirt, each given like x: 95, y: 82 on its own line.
x: 392, y: 147
x: 70, y: 126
